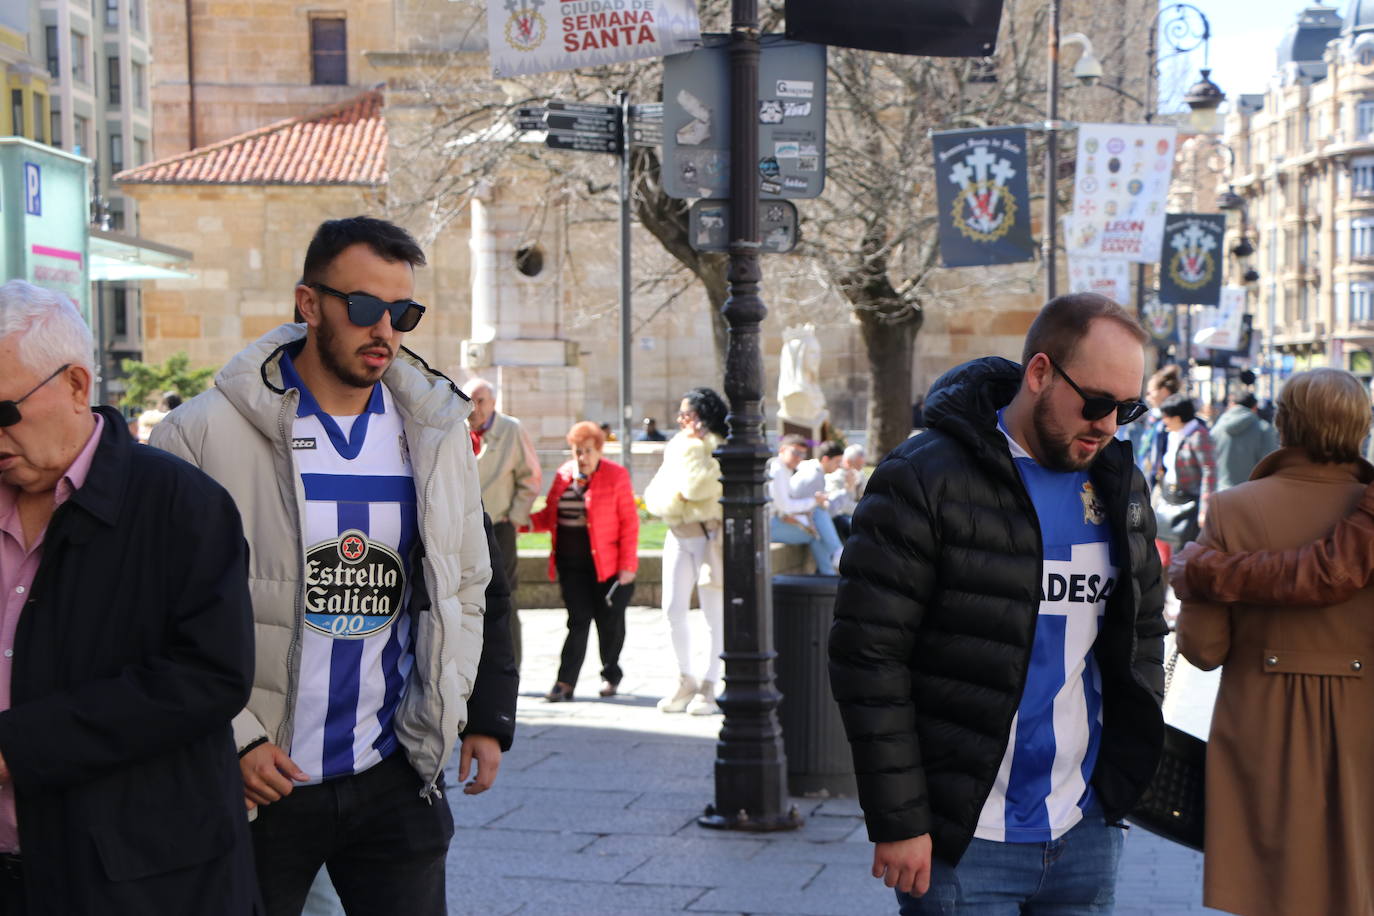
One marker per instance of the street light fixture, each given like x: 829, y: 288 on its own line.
x: 1204, y: 98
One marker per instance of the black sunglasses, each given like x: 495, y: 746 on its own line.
x: 1095, y: 408
x: 365, y: 310
x: 9, y: 410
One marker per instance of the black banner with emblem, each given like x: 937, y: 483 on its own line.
x: 984, y: 202
x: 932, y: 28
x: 1191, y: 262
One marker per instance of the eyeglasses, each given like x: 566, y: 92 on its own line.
x: 1095, y: 408
x: 365, y: 310
x: 9, y: 410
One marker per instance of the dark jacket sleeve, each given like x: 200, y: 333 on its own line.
x: 1150, y: 626
x: 888, y: 576
x: 195, y: 682
x: 491, y: 708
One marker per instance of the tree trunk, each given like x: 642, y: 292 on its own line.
x: 891, y: 347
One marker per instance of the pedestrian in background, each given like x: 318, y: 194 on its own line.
x: 844, y: 487
x: 508, y: 468
x: 128, y: 648
x: 799, y: 515
x: 590, y: 511
x: 997, y: 646
x: 1240, y: 439
x: 1290, y: 802
x: 1149, y: 446
x: 685, y: 493
x: 1188, y: 475
x: 368, y: 583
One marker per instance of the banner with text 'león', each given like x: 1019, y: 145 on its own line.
x: 536, y: 36
x: 1121, y: 183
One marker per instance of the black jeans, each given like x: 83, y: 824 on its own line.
x: 585, y: 598
x: 504, y: 532
x: 383, y: 844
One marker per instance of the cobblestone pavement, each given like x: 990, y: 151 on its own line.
x: 594, y: 813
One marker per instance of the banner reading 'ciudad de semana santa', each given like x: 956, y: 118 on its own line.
x: 535, y: 36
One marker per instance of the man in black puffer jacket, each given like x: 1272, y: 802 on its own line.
x: 998, y: 636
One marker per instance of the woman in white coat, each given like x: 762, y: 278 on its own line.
x: 686, y: 493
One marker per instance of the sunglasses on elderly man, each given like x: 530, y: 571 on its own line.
x: 1095, y: 408
x: 365, y: 310
x: 9, y: 410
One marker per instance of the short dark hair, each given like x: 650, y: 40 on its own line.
x: 1170, y: 378
x: 710, y: 409
x: 387, y: 240
x: 1179, y: 405
x: 794, y: 439
x: 170, y: 400
x: 1065, y: 320
x: 830, y: 449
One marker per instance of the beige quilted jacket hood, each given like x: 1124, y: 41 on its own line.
x: 239, y: 432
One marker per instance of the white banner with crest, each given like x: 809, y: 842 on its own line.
x: 1120, y: 186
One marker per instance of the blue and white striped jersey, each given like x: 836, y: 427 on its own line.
x: 1043, y: 784
x: 359, y: 528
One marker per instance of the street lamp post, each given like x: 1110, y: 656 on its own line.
x: 751, y: 766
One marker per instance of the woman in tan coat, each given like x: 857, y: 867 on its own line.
x: 1290, y: 761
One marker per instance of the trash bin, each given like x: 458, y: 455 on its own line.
x: 818, y: 758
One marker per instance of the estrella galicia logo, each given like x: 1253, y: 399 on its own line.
x: 354, y: 586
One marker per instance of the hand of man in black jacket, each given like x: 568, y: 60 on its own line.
x: 904, y: 864
x: 486, y: 751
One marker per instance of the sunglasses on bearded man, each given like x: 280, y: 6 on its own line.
x: 1095, y: 408
x: 365, y: 310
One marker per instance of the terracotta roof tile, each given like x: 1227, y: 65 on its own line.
x: 342, y: 144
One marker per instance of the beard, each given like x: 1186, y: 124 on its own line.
x: 337, y: 362
x: 1056, y: 445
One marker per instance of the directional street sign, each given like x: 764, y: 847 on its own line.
x: 588, y: 143
x: 585, y: 109
x: 650, y: 111
x: 647, y: 134
x: 530, y: 118
x: 601, y: 127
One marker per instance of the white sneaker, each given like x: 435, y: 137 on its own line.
x: 704, y: 703
x: 686, y: 690
x: 835, y: 559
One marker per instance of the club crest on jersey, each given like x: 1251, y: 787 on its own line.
x: 1093, y: 513
x: 354, y: 586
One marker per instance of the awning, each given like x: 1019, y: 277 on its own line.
x: 118, y: 256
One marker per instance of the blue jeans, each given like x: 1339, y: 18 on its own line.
x: 823, y: 546
x: 1074, y: 875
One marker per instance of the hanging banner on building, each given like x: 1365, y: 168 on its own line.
x: 536, y: 36
x: 1120, y: 186
x: 931, y: 28
x: 1191, y: 260
x: 1162, y: 322
x: 980, y: 180
x: 1222, y: 327
x: 1110, y: 277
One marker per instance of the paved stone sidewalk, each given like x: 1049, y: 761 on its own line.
x: 594, y: 814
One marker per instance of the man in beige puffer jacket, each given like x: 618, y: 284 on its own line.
x: 350, y: 462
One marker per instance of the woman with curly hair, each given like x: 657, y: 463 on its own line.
x: 686, y: 493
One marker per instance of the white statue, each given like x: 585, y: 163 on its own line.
x: 800, y: 400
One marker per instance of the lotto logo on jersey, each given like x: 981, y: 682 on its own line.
x: 353, y: 586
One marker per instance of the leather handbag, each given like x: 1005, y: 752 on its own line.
x: 1174, y: 803
x: 1176, y: 516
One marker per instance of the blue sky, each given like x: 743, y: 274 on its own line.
x: 1245, y: 34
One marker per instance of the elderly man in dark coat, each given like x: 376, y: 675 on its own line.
x: 126, y: 648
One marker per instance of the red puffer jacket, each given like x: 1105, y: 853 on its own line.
x: 612, y: 520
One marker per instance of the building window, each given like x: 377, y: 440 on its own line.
x: 1361, y: 302
x: 119, y: 310
x: 140, y: 151
x: 1366, y: 56
x: 1362, y: 239
x: 116, y: 153
x: 112, y: 66
x: 328, y: 52
x: 78, y: 135
x: 55, y: 128
x: 78, y: 57
x: 136, y: 14
x: 17, y: 111
x: 138, y: 76
x: 1364, y: 119
x: 112, y: 14
x: 1362, y: 175
x: 50, y: 34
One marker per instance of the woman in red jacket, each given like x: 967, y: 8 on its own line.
x: 590, y: 509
